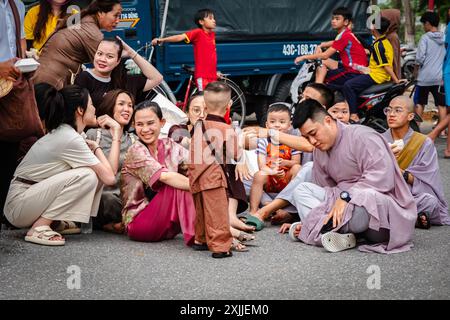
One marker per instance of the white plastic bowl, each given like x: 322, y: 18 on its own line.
x: 27, y: 65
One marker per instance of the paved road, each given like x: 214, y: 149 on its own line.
x: 113, y: 267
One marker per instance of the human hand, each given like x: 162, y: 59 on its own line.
x: 127, y: 50
x: 8, y: 71
x: 106, y: 122
x: 285, y: 228
x: 242, y: 173
x: 336, y: 213
x: 257, y: 132
x: 156, y: 41
x: 91, y: 144
x: 298, y: 59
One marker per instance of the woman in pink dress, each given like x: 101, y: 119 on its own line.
x: 157, y: 201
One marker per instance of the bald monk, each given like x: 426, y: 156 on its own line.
x: 357, y: 187
x: 418, y: 162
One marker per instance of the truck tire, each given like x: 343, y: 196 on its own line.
x: 282, y: 93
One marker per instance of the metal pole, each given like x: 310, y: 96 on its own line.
x: 163, y: 26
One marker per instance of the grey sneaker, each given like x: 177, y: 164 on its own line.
x: 335, y: 242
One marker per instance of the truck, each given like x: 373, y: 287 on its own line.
x: 257, y: 41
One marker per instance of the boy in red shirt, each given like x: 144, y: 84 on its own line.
x: 351, y: 52
x: 204, y: 40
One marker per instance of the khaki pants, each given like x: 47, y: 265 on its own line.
x: 72, y: 195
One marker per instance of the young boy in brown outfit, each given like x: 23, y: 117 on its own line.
x: 213, y: 144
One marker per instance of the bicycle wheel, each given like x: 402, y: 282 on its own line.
x: 238, y: 110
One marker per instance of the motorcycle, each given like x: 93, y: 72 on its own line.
x: 407, y: 61
x: 371, y: 101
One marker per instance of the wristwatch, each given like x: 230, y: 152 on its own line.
x: 345, y: 196
x: 406, y: 175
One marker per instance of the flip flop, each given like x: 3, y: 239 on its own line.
x: 254, y: 221
x: 292, y: 230
x: 335, y: 242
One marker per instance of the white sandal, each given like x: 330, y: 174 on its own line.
x: 292, y: 231
x: 42, y: 235
x: 335, y: 242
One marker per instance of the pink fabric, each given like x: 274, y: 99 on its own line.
x: 170, y: 211
x: 141, y: 169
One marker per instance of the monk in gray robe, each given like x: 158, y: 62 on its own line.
x: 418, y: 163
x: 357, y: 187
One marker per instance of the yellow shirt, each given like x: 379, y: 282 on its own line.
x: 382, y: 54
x: 30, y: 22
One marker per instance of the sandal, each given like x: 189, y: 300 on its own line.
x: 43, y: 235
x: 117, y: 227
x: 67, y: 227
x: 423, y: 224
x: 292, y: 230
x: 219, y: 255
x: 244, y: 237
x: 254, y: 221
x: 238, y: 246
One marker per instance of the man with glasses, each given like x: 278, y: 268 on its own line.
x: 418, y: 163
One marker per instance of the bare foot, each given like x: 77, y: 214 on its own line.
x: 239, y: 224
x: 281, y: 216
x: 446, y: 154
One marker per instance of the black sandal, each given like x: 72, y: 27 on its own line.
x: 423, y: 224
x: 219, y: 255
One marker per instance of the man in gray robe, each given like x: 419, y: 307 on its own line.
x: 418, y: 163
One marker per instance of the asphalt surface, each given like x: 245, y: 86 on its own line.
x: 114, y: 267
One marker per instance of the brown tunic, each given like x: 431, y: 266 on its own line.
x: 66, y: 50
x: 209, y: 183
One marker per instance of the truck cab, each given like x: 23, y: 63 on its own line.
x: 257, y: 41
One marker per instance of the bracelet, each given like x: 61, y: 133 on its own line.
x: 135, y: 54
x: 96, y: 149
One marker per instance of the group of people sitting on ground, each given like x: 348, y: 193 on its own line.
x: 325, y: 180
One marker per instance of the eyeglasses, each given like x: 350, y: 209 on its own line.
x: 395, y: 110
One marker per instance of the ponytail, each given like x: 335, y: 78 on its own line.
x: 60, y: 106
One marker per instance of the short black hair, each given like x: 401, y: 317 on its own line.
x: 308, y: 109
x: 431, y: 17
x: 325, y: 92
x: 338, y: 98
x: 202, y: 14
x: 384, y: 25
x: 218, y: 87
x: 279, y: 107
x: 343, y: 11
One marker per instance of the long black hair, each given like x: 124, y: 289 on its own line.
x: 61, y: 105
x: 45, y: 9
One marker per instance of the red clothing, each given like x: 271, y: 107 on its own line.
x: 275, y: 184
x: 350, y: 50
x: 205, y: 55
